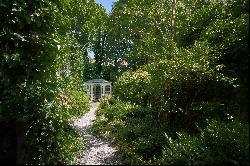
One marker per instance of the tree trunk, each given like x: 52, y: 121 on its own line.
x: 173, y: 18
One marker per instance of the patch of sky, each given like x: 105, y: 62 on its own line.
x: 106, y: 3
x: 91, y: 54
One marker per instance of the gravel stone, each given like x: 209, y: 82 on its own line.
x: 98, y: 151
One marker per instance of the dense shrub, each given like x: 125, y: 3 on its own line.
x: 188, y: 93
x: 224, y: 25
x: 41, y: 89
x: 218, y: 143
x: 182, y: 91
x: 143, y: 138
x: 138, y: 134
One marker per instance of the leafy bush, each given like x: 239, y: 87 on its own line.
x: 174, y: 89
x: 218, y: 143
x: 138, y: 134
x: 61, y: 141
x: 41, y: 70
x: 182, y: 92
x: 106, y: 101
x: 143, y: 138
x: 224, y: 26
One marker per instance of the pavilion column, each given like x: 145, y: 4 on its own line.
x: 103, y: 90
x: 110, y: 89
x: 91, y: 92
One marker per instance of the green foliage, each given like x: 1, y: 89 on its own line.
x: 53, y: 142
x: 43, y: 54
x: 188, y: 62
x: 173, y: 86
x: 135, y: 33
x: 143, y: 138
x: 218, y: 143
x: 134, y: 84
x: 89, y: 72
x: 140, y: 137
x: 190, y: 83
x: 224, y: 25
x: 134, y: 130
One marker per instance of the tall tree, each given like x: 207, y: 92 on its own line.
x: 137, y: 32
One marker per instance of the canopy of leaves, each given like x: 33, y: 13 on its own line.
x: 187, y: 70
x: 43, y: 54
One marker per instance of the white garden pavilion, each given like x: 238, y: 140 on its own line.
x: 98, y: 88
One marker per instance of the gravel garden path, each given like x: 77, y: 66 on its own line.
x: 98, y: 151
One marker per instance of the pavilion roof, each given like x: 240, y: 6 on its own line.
x: 97, y: 81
